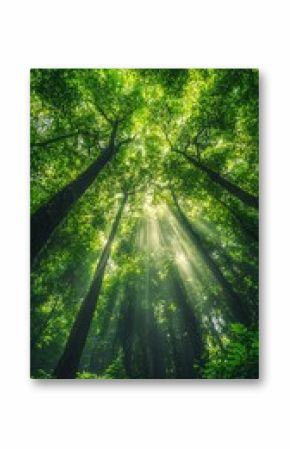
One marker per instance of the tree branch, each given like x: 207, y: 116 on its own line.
x: 63, y: 137
x: 54, y: 139
x: 103, y: 113
x: 124, y: 141
x: 168, y: 140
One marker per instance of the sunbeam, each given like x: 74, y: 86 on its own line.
x: 144, y: 226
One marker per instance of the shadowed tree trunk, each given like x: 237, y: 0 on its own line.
x: 101, y: 358
x: 251, y: 230
x: 127, y: 329
x: 69, y: 361
x: 193, y: 346
x: 177, y: 359
x: 45, y: 220
x: 189, y: 342
x: 152, y: 335
x: 233, y: 189
x: 156, y: 347
x: 237, y: 306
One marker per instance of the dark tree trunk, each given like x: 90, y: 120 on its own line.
x: 239, y: 193
x: 101, y: 355
x: 127, y: 329
x: 237, y: 306
x: 193, y: 346
x: 177, y: 359
x: 251, y: 230
x: 155, y: 344
x: 192, y: 326
x: 152, y: 334
x: 189, y: 341
x: 45, y: 220
x: 69, y: 361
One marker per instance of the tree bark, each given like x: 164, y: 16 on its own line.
x: 234, y: 190
x: 100, y: 357
x: 251, y: 231
x: 191, y: 346
x: 45, y: 220
x: 127, y: 329
x: 69, y: 361
x: 237, y: 306
x: 176, y: 359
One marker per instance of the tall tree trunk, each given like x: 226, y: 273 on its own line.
x: 69, y: 361
x: 127, y: 329
x: 156, y: 346
x: 251, y: 230
x: 176, y: 360
x: 237, y: 306
x: 48, y: 217
x: 152, y: 334
x: 102, y: 356
x: 191, y: 344
x: 239, y: 193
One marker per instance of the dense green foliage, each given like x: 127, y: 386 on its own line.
x: 144, y: 198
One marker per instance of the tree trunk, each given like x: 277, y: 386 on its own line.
x: 237, y: 306
x: 45, y: 220
x: 239, y: 193
x: 69, y: 361
x: 190, y: 337
x: 102, y: 356
x: 127, y: 329
x: 176, y: 355
x: 251, y: 231
x: 193, y: 346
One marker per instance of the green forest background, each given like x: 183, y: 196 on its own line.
x: 144, y: 223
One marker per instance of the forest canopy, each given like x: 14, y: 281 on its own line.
x: 144, y: 223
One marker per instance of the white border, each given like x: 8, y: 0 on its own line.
x: 171, y: 414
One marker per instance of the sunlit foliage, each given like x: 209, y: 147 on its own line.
x: 144, y: 203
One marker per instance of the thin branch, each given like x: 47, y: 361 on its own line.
x: 104, y: 114
x: 54, y: 139
x: 124, y: 141
x: 168, y: 139
x: 63, y: 137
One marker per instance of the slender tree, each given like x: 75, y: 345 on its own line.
x: 192, y: 346
x: 237, y: 305
x: 49, y: 216
x: 180, y: 297
x: 175, y: 348
x: 249, y: 229
x: 127, y: 328
x: 100, y: 359
x: 233, y: 189
x: 69, y: 361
